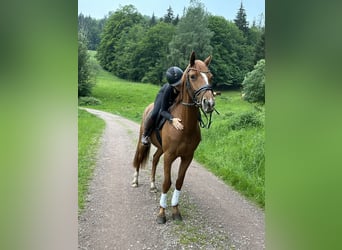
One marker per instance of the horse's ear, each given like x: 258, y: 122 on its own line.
x: 192, y: 58
x: 207, y: 61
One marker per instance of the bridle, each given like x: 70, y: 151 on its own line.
x: 194, y: 94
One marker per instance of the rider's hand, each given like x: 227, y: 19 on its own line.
x: 176, y: 122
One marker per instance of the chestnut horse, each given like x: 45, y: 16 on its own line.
x: 195, y: 93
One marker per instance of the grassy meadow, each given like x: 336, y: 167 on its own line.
x: 233, y: 147
x: 89, y: 131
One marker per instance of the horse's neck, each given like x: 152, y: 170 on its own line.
x: 189, y: 111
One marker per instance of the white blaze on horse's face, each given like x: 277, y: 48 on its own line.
x: 205, y: 78
x: 208, y: 101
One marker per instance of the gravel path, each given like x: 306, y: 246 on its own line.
x: 118, y: 216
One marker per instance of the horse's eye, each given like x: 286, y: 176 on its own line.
x: 193, y: 77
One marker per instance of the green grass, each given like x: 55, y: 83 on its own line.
x: 89, y: 131
x: 234, y: 153
x: 122, y: 97
x: 236, y: 156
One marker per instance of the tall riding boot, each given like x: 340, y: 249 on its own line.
x: 148, y: 127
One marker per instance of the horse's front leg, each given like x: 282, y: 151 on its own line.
x: 155, y: 161
x: 185, y: 162
x: 161, y: 218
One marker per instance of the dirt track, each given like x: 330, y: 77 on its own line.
x: 118, y: 216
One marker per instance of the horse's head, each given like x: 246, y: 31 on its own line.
x: 197, y: 78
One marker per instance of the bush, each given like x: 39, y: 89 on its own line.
x: 84, y: 73
x: 246, y: 120
x: 254, y: 84
x: 88, y: 101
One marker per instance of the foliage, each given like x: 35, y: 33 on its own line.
x: 127, y: 54
x: 93, y: 63
x: 140, y: 48
x: 117, y: 25
x: 91, y: 29
x: 89, y: 132
x: 84, y: 74
x: 169, y: 17
x: 232, y: 55
x: 153, y: 53
x: 254, y: 84
x: 241, y: 20
x: 192, y: 34
x: 176, y: 20
x: 226, y: 43
x: 153, y: 20
x: 88, y: 101
x: 260, y: 47
x: 247, y: 119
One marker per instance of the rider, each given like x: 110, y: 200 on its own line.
x: 164, y: 99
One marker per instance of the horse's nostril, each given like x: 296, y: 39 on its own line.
x: 209, y: 103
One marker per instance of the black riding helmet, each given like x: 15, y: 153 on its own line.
x: 174, y: 76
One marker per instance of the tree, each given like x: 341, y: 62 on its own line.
x: 176, y: 20
x: 84, y: 74
x: 226, y: 41
x: 241, y: 20
x: 254, y: 84
x: 91, y: 29
x: 116, y: 26
x: 232, y: 56
x: 192, y: 34
x: 260, y: 47
x: 127, y: 54
x: 153, y: 52
x: 153, y: 20
x: 168, y: 17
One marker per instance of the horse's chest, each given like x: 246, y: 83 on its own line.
x: 190, y: 141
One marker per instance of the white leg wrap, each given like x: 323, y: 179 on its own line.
x: 135, y: 179
x: 163, y: 200
x: 175, y: 197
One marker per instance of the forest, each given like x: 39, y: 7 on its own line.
x: 140, y: 48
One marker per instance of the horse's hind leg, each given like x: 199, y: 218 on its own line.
x: 136, y: 177
x: 155, y: 161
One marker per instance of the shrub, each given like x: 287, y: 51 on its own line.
x: 84, y: 73
x: 254, y: 84
x: 88, y: 101
x: 246, y: 120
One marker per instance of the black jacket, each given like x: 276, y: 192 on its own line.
x: 164, y: 100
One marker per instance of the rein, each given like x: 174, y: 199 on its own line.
x: 208, y: 120
x: 197, y: 103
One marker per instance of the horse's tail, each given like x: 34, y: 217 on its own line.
x: 142, y: 152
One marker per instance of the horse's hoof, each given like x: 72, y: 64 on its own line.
x: 161, y: 219
x: 177, y: 217
x: 134, y: 184
x: 153, y: 190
